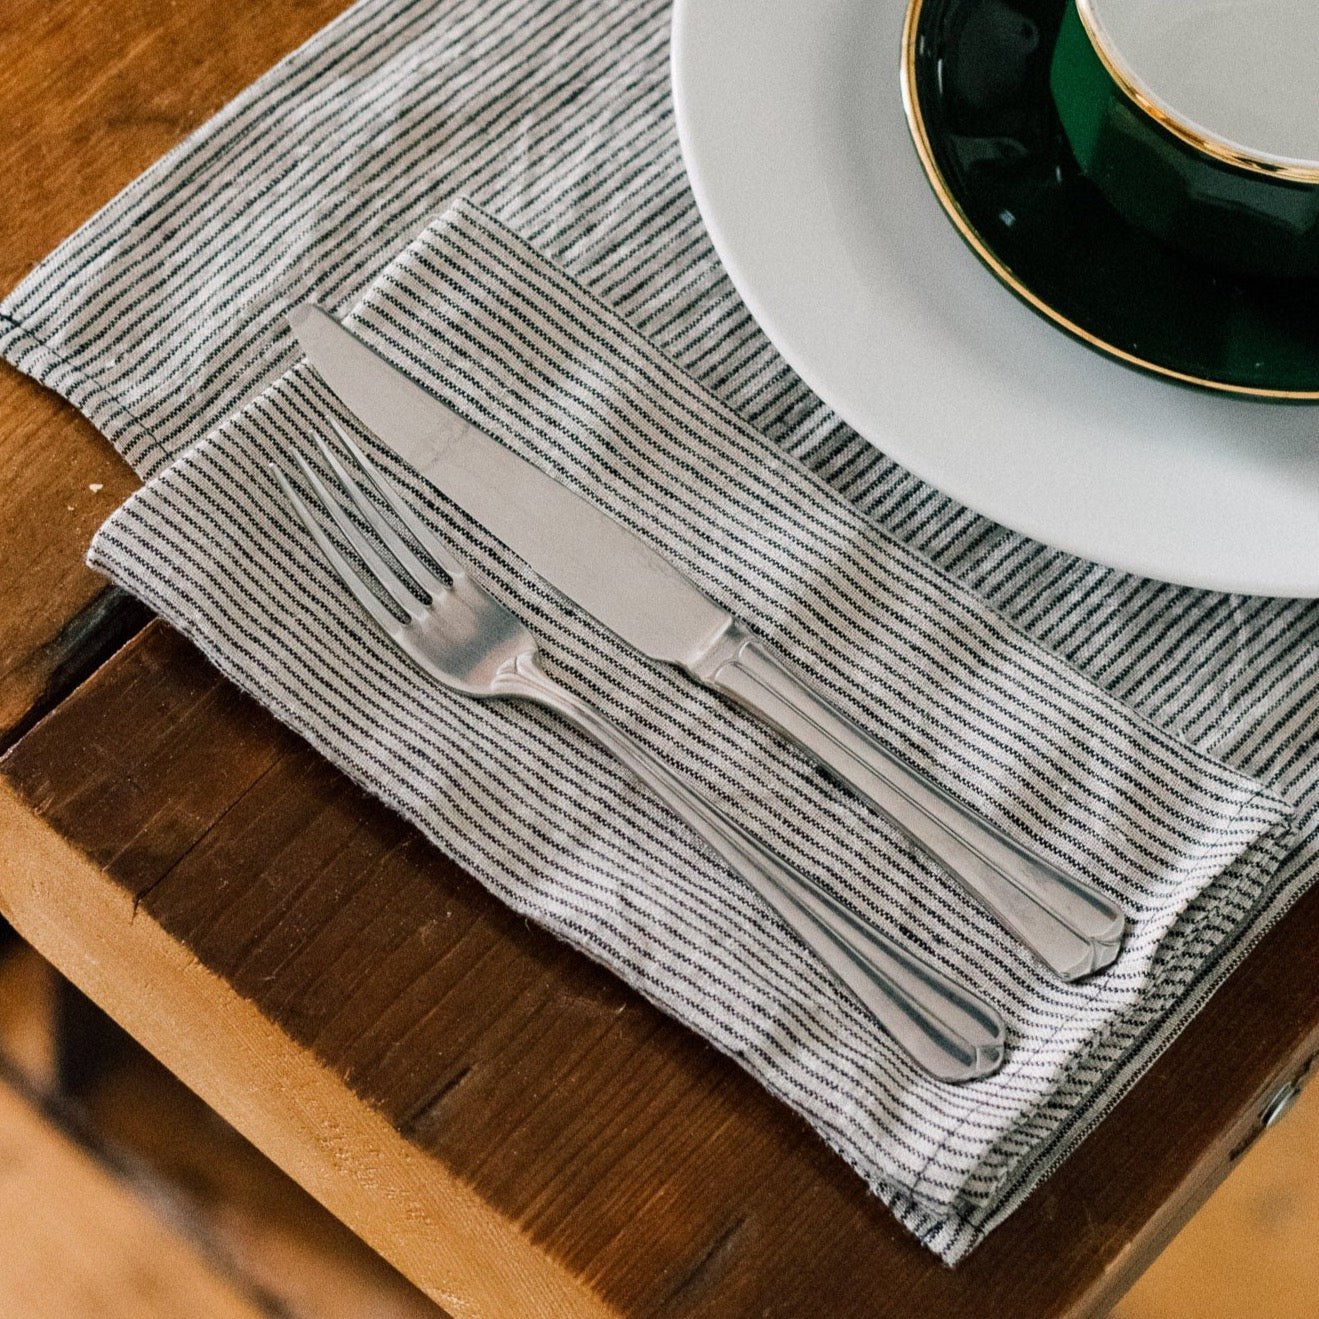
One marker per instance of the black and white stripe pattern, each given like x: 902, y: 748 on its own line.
x: 552, y: 825
x: 555, y: 116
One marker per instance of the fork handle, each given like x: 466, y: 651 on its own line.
x: 1068, y: 924
x: 944, y: 1028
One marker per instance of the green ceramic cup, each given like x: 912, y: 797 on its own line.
x: 1199, y: 121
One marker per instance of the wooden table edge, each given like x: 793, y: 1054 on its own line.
x: 432, y: 1225
x: 271, y: 1089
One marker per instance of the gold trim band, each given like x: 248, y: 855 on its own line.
x: 1195, y: 136
x: 920, y: 136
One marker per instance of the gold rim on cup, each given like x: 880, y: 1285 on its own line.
x: 1194, y: 135
x: 939, y: 185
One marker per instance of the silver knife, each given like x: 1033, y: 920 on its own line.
x: 634, y: 591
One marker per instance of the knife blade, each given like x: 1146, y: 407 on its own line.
x: 606, y: 569
x: 610, y: 571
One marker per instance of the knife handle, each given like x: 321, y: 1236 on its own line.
x: 1069, y: 925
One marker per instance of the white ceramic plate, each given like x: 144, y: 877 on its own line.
x: 792, y: 129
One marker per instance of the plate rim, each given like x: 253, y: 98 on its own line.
x: 1134, y: 556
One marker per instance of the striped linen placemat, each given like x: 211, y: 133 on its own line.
x: 1119, y: 721
x: 552, y: 825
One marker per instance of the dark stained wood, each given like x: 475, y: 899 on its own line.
x: 90, y: 95
x: 94, y: 94
x: 632, y: 1154
x: 52, y: 608
x: 1251, y: 1249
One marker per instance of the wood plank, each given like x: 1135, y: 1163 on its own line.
x: 90, y: 95
x: 52, y: 608
x: 437, y: 1230
x: 1251, y: 1249
x: 73, y: 1241
x: 191, y: 1169
x: 367, y: 1015
x: 265, y: 1229
x: 27, y: 1012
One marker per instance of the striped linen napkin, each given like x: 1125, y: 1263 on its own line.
x: 554, y: 827
x: 1147, y: 736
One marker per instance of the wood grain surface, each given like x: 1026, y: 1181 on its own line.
x: 501, y: 1119
x: 180, y: 1164
x: 288, y: 945
x: 90, y: 95
x: 1251, y: 1251
x: 1248, y: 1251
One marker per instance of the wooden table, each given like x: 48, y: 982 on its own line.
x: 503, y: 1120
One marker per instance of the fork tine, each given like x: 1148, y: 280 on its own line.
x: 387, y: 491
x: 394, y: 587
x: 347, y: 573
x: 395, y: 543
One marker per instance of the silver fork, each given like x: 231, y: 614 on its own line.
x: 461, y: 636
